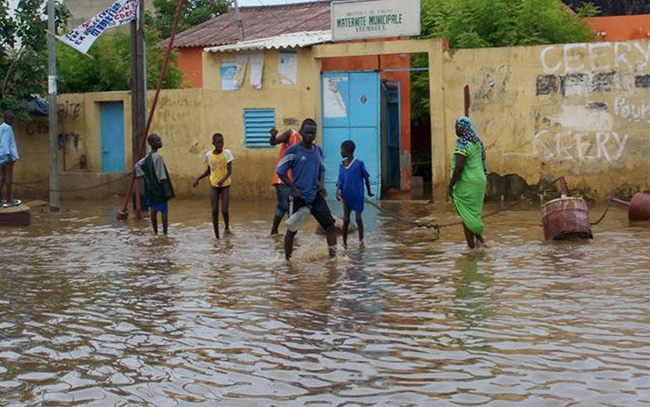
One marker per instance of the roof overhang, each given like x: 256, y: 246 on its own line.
x: 291, y: 40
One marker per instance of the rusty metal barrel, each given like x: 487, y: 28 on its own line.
x: 639, y: 207
x: 566, y: 218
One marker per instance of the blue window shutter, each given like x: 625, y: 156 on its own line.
x: 257, y: 124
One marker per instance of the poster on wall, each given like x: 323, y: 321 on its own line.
x: 232, y: 73
x: 257, y: 69
x: 288, y: 68
x: 333, y: 101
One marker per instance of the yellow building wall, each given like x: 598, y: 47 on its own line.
x: 224, y: 113
x: 79, y: 135
x: 579, y: 110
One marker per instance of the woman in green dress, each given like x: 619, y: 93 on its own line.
x: 468, y: 180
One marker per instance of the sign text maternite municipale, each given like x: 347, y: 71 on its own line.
x: 353, y: 20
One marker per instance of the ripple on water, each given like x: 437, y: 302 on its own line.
x: 95, y: 312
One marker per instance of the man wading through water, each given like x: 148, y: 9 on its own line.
x: 305, y: 161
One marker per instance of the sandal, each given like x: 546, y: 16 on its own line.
x: 14, y: 202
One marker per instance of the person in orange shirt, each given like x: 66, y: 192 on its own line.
x: 282, y: 192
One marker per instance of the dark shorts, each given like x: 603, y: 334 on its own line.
x: 157, y: 206
x: 319, y: 210
x: 282, y: 193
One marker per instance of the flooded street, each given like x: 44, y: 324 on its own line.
x: 98, y: 312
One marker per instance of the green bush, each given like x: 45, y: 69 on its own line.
x: 492, y: 23
x: 110, y: 66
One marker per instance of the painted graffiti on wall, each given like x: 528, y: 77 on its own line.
x: 632, y: 111
x: 493, y: 80
x: 588, y: 126
x: 585, y: 133
x: 605, y: 146
x: 583, y: 69
x: 69, y: 110
x: 597, y: 56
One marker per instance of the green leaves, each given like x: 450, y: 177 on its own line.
x: 194, y: 12
x: 501, y: 23
x: 110, y: 68
x: 492, y: 23
x: 23, y: 53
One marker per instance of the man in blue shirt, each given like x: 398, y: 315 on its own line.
x: 8, y: 156
x: 305, y: 160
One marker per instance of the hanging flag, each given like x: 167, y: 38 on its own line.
x: 82, y: 37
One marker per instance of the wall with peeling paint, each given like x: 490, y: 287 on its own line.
x: 186, y: 120
x: 580, y: 110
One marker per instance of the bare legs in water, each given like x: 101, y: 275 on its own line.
x: 473, y: 240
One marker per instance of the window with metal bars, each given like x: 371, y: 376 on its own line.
x: 257, y: 124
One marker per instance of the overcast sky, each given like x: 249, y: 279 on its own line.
x: 268, y: 2
x: 242, y: 3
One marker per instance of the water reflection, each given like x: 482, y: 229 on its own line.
x: 97, y: 312
x: 473, y: 303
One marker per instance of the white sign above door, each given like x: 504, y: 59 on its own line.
x: 358, y: 19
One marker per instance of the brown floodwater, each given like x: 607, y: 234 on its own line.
x: 101, y: 313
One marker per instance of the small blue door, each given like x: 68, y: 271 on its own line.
x: 351, y: 112
x: 112, y: 129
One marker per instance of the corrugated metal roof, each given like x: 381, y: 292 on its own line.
x: 259, y: 22
x: 291, y: 40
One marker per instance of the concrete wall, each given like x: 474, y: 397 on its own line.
x: 79, y: 142
x: 580, y: 110
x: 224, y: 113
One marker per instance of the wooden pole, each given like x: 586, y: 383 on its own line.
x: 123, y: 214
x: 138, y: 94
x: 55, y: 199
x: 467, y: 99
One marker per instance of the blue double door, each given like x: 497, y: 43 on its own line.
x: 351, y: 111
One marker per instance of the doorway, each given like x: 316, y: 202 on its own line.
x: 351, y: 111
x: 112, y: 133
x: 391, y: 134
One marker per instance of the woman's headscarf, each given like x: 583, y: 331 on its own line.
x: 466, y: 132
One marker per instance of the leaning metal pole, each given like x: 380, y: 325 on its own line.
x: 55, y: 201
x: 123, y: 213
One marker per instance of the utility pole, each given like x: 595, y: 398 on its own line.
x: 55, y: 200
x: 240, y: 24
x: 138, y: 91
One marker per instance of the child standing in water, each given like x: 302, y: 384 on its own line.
x: 349, y: 188
x: 157, y: 185
x: 219, y: 162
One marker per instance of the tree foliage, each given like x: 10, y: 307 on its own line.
x: 110, y: 66
x: 495, y: 23
x: 23, y: 53
x: 194, y: 12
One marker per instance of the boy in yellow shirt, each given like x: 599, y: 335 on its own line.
x: 219, y: 163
